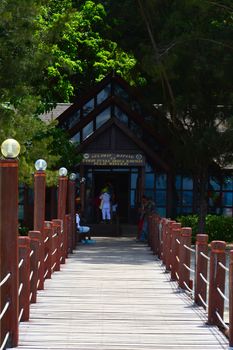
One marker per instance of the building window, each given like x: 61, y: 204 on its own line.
x: 220, y: 196
x: 103, y: 94
x: 87, y: 131
x: 133, y: 187
x: 76, y: 138
x: 184, y: 191
x: 120, y: 115
x: 120, y: 92
x: 150, y: 181
x: 103, y: 117
x: 88, y: 107
x: 227, y: 196
x: 73, y: 119
x: 156, y: 188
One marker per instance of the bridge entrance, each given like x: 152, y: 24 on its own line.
x: 119, y: 186
x: 125, y: 188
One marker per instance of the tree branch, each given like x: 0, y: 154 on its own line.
x: 164, y: 76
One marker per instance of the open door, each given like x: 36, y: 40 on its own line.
x: 120, y: 188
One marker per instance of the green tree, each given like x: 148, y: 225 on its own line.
x: 193, y: 60
x: 184, y: 49
x: 22, y: 59
x: 82, y: 54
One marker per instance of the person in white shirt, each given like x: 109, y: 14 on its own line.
x: 105, y: 205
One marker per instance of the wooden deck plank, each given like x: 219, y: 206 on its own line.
x: 114, y: 295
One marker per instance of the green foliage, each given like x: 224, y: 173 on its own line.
x: 217, y: 227
x: 81, y: 52
x: 24, y: 56
x: 23, y: 230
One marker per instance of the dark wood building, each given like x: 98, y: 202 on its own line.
x: 118, y: 147
x: 121, y: 146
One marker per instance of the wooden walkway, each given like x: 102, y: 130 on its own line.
x: 113, y: 295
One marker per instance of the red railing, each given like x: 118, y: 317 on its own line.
x: 200, y: 270
x: 40, y: 254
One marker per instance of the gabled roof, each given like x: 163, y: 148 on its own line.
x: 115, y: 95
x: 155, y: 158
x: 80, y: 101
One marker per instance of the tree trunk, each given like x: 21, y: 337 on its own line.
x: 203, y: 181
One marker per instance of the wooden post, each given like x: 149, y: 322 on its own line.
x: 68, y: 235
x: 34, y: 260
x: 168, y: 245
x: 162, y: 225
x: 62, y: 197
x: 217, y: 280
x: 201, y: 268
x: 48, y: 249
x: 24, y: 277
x: 184, y: 256
x: 164, y: 240
x: 9, y: 248
x: 61, y: 240
x: 231, y: 300
x: 40, y: 267
x: 175, y: 234
x: 56, y: 246
x: 72, y: 211
x: 39, y: 216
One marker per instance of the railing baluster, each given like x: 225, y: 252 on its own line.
x: 56, y: 251
x: 217, y: 279
x: 34, y: 259
x: 184, y: 256
x: 24, y: 277
x: 48, y: 248
x: 9, y: 249
x: 201, y: 269
x: 176, y: 230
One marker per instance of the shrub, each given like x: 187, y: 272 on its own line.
x: 217, y: 227
x: 23, y: 231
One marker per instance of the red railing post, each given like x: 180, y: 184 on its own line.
x: 184, y: 257
x: 39, y: 216
x: 68, y: 236
x: 168, y: 245
x: 175, y: 233
x: 231, y: 300
x: 24, y: 277
x: 9, y: 249
x: 61, y: 240
x: 56, y: 247
x: 162, y: 227
x: 164, y: 245
x: 201, y: 269
x: 39, y: 257
x: 62, y: 197
x: 34, y: 260
x: 48, y: 249
x: 72, y: 212
x: 216, y: 280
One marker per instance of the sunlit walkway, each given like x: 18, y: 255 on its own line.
x: 114, y: 295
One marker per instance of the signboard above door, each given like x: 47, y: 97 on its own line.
x: 113, y: 159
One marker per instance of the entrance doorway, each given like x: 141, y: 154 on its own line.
x: 120, y: 186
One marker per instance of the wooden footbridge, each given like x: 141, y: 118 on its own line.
x: 113, y: 295
x: 116, y: 295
